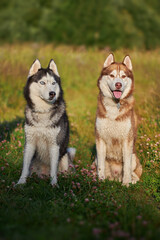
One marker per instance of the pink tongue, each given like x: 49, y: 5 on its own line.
x: 117, y: 94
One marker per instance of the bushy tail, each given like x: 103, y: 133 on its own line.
x: 71, y: 153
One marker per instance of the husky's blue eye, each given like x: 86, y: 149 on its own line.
x: 42, y: 82
x: 53, y: 83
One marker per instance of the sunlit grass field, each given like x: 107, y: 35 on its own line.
x: 83, y: 207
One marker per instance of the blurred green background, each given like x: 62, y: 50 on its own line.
x: 103, y: 23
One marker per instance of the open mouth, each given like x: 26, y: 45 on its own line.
x: 117, y: 94
x: 51, y: 98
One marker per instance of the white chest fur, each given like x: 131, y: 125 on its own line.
x: 42, y: 119
x: 110, y: 128
x: 41, y: 134
x: 113, y: 134
x: 112, y: 112
x: 43, y: 139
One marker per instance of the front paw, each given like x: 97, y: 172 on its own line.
x: 54, y: 183
x: 101, y: 175
x: 135, y: 179
x: 126, y: 182
x: 21, y: 181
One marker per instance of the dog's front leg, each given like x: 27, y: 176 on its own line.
x: 127, y: 162
x: 54, y: 159
x: 29, y: 151
x: 101, y: 156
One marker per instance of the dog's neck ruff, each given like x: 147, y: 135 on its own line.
x: 117, y: 101
x: 43, y: 111
x: 46, y: 107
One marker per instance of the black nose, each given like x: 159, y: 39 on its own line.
x: 118, y: 85
x: 52, y: 94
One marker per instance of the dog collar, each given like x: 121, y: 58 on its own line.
x: 118, y: 105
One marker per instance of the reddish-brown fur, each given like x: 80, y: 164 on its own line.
x: 126, y: 110
x: 101, y: 111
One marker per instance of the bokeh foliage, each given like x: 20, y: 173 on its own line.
x: 112, y: 23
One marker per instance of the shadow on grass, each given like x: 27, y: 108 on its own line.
x: 6, y: 128
x: 93, y: 152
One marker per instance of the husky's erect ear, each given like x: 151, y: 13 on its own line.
x: 127, y: 62
x: 34, y: 68
x: 109, y: 60
x: 53, y: 67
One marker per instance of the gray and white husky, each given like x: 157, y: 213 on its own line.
x: 46, y: 124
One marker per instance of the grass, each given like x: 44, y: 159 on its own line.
x: 83, y: 207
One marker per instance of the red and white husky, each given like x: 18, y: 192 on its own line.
x: 116, y: 123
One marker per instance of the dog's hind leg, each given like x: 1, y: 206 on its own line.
x: 135, y: 178
x: 108, y: 172
x: 72, y: 152
x: 66, y: 162
x: 136, y: 169
x: 28, y: 155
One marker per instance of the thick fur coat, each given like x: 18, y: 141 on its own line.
x: 116, y: 123
x: 46, y: 124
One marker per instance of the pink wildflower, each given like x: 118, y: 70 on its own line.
x: 96, y: 231
x: 144, y: 223
x: 68, y: 220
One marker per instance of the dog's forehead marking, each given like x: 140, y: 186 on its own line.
x: 121, y: 73
x: 114, y: 72
x: 118, y: 72
x: 116, y: 69
x: 48, y: 78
